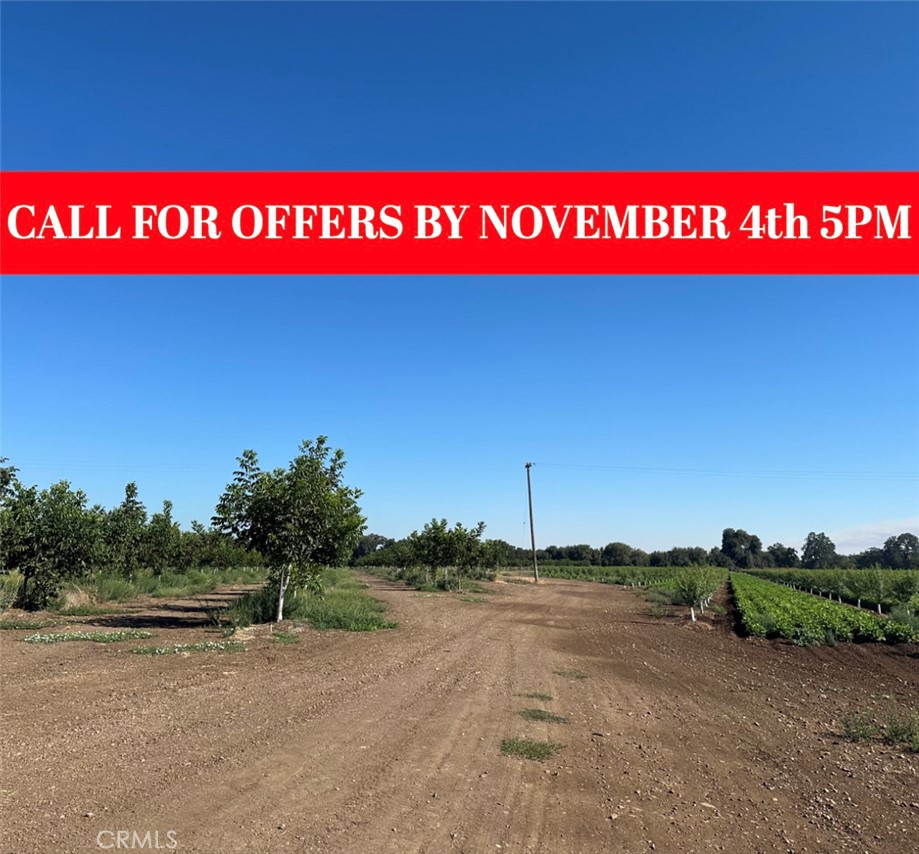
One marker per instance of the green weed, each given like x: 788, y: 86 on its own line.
x: 542, y: 715
x: 572, y: 674
x: 858, y: 726
x: 526, y: 748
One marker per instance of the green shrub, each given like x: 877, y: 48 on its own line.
x: 901, y: 728
x: 858, y: 726
x: 10, y: 585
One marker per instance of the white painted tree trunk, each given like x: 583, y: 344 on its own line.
x: 282, y: 589
x: 692, y: 613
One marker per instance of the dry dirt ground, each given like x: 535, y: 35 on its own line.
x: 682, y: 738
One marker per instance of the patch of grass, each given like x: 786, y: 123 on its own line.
x: 473, y: 599
x: 344, y: 603
x: 343, y: 608
x: 95, y: 637
x: 285, y: 637
x: 472, y: 587
x: 901, y: 728
x: 203, y: 646
x: 87, y: 611
x: 538, y: 695
x: 15, y: 623
x: 10, y: 586
x: 572, y: 674
x: 109, y: 587
x: 526, y: 748
x: 542, y: 715
x: 858, y: 726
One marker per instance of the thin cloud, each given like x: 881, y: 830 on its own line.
x: 872, y: 534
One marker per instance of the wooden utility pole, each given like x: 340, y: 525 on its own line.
x: 532, y: 532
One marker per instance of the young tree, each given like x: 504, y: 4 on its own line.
x: 48, y: 536
x: 163, y: 540
x: 125, y: 530
x: 466, y: 549
x: 299, y: 518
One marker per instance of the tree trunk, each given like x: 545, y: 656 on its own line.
x: 282, y: 589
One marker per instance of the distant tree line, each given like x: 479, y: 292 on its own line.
x: 738, y: 550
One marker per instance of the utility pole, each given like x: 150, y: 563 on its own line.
x: 532, y: 532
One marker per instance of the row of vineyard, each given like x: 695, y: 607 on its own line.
x: 772, y: 610
x: 881, y: 589
x: 630, y: 576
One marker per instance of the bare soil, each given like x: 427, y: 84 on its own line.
x: 682, y: 738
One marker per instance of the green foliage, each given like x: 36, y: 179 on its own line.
x: 285, y: 637
x: 300, y: 518
x: 901, y: 727
x: 95, y: 637
x: 870, y: 587
x: 696, y: 584
x: 526, y: 748
x: 902, y: 551
x: 819, y: 552
x: 10, y: 585
x: 106, y: 587
x: 740, y: 548
x: 858, y: 726
x: 339, y: 602
x: 439, y: 557
x: 771, y: 610
x: 542, y: 715
x: 48, y: 536
x: 51, y: 538
x: 16, y: 624
x: 538, y: 695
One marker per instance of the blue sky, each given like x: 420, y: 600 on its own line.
x: 777, y: 404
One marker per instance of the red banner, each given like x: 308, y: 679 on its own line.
x: 459, y: 223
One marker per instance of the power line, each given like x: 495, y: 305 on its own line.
x: 791, y: 474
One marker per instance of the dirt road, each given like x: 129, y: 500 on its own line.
x: 681, y: 738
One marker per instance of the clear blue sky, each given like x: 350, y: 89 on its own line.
x: 780, y: 405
